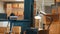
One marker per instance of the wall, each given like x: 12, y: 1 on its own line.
x: 1, y: 7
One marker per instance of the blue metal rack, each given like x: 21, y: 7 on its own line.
x: 28, y: 16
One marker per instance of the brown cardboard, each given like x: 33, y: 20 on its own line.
x: 21, y: 12
x: 3, y: 29
x: 8, y: 12
x: 43, y: 32
x: 15, y: 5
x: 36, y: 23
x: 54, y: 11
x: 9, y: 6
x: 46, y: 20
x: 57, y: 0
x: 58, y: 10
x: 20, y: 17
x: 21, y: 5
x: 16, y: 29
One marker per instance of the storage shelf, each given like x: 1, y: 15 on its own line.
x: 22, y: 20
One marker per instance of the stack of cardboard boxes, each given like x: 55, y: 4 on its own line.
x: 16, y: 8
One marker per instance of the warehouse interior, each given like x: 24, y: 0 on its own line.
x: 29, y: 17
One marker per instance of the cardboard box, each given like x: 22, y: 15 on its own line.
x: 54, y: 29
x: 8, y: 12
x: 21, y: 12
x: 11, y: 33
x: 43, y: 32
x: 15, y: 5
x: 21, y: 5
x: 20, y: 17
x: 1, y: 33
x: 58, y: 10
x: 16, y: 13
x: 34, y: 4
x: 46, y: 20
x: 34, y: 13
x: 54, y: 11
x: 9, y: 6
x: 16, y: 29
x: 3, y: 29
x: 36, y: 23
